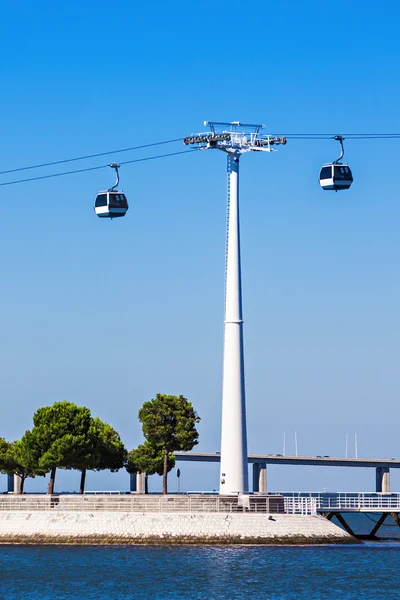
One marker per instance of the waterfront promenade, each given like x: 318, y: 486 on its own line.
x: 156, y: 519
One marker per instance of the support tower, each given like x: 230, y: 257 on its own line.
x: 234, y: 139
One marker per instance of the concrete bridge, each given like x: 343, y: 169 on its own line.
x: 382, y: 466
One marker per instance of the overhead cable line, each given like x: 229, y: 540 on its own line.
x: 292, y: 136
x: 67, y: 160
x: 304, y: 136
x: 127, y: 162
x: 350, y: 136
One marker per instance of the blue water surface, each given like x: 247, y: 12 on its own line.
x: 368, y: 571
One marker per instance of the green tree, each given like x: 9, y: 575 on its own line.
x: 169, y: 424
x: 61, y: 434
x: 21, y: 458
x: 149, y: 460
x: 4, y: 446
x: 106, y: 450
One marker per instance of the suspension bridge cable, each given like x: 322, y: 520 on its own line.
x: 67, y: 160
x: 127, y: 162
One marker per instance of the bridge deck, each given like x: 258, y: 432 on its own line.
x: 276, y: 459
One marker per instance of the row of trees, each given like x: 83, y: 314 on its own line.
x: 66, y: 436
x: 63, y: 436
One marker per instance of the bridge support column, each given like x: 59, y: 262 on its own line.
x: 256, y: 475
x: 260, y: 477
x: 13, y: 484
x: 10, y: 483
x: 382, y: 480
x: 140, y: 482
x: 137, y: 482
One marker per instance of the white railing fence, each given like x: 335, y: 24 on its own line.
x: 300, y: 503
x: 300, y: 506
x: 349, y: 501
x: 147, y: 503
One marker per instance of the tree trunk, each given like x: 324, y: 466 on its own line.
x: 83, y: 478
x: 146, y: 483
x: 165, y: 472
x: 21, y: 485
x: 50, y: 487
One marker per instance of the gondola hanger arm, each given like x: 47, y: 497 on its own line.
x: 115, y: 186
x: 340, y: 139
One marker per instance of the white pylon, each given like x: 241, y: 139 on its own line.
x: 234, y: 467
x: 234, y: 141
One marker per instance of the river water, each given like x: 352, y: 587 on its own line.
x: 369, y: 571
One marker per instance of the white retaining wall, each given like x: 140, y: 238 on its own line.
x: 107, y: 527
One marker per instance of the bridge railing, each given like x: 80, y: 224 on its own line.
x: 351, y: 501
x: 362, y: 502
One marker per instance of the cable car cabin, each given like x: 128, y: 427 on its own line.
x: 336, y: 176
x: 111, y: 204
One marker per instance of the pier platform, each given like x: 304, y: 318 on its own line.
x: 157, y: 519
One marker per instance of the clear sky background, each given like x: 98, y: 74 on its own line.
x: 108, y: 313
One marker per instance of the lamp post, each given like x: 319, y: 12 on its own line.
x: 234, y: 139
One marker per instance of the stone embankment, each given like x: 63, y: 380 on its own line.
x: 155, y: 520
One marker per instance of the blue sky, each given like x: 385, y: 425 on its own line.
x: 107, y: 314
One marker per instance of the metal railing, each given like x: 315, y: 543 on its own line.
x: 300, y: 503
x: 147, y: 503
x: 105, y: 493
x: 360, y: 502
x: 300, y: 506
x: 349, y: 501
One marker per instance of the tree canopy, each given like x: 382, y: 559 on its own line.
x: 168, y: 425
x: 106, y: 450
x: 67, y: 436
x: 109, y: 450
x: 61, y: 432
x: 3, y: 455
x: 21, y: 458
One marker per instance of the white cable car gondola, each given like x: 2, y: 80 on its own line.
x: 336, y: 175
x: 111, y: 203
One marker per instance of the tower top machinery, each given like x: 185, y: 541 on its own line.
x: 234, y: 138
